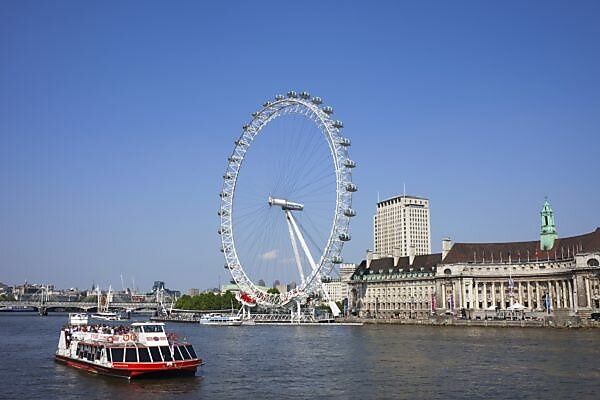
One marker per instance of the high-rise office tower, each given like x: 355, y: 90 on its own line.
x: 400, y: 223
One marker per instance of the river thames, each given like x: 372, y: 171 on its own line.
x: 348, y: 362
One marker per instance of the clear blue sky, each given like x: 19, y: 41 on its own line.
x: 116, y: 118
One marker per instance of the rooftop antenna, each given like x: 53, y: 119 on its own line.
x: 122, y: 283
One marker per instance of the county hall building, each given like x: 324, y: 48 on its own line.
x: 549, y: 276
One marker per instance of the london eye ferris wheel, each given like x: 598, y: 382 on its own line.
x: 286, y: 201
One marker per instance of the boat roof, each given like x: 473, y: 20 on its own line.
x: 147, y: 323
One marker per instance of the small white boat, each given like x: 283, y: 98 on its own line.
x: 220, y: 319
x: 78, y: 318
x: 107, y: 316
x: 103, y: 312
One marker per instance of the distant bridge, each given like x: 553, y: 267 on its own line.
x: 79, y: 305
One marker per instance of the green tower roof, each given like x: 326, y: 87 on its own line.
x: 548, y: 232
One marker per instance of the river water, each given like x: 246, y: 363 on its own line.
x: 347, y: 362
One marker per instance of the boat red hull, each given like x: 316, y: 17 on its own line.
x: 136, y: 370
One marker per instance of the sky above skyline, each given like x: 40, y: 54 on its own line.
x: 116, y: 120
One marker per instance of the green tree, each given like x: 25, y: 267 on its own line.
x: 208, y: 301
x: 273, y: 291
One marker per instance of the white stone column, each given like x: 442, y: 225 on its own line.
x: 463, y: 294
x: 587, y: 292
x: 558, y: 299
x: 520, y: 292
x: 537, y: 294
x: 475, y: 295
x: 564, y: 293
x: 493, y: 284
x: 502, y: 302
x: 529, y: 296
x: 444, y: 303
x: 571, y: 297
x: 485, y: 295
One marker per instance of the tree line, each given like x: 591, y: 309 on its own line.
x: 208, y: 301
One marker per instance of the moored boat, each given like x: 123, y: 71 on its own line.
x: 139, y: 350
x: 107, y: 316
x: 78, y: 318
x: 220, y: 319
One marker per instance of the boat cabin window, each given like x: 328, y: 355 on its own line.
x: 166, y: 353
x: 130, y: 354
x: 191, y: 351
x: 144, y: 354
x: 117, y: 354
x: 108, y: 358
x: 155, y: 354
x: 184, y: 353
x: 153, y: 329
x: 177, y: 354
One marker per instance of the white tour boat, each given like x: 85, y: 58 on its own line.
x: 137, y: 350
x: 220, y: 319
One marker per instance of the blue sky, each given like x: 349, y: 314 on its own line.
x: 116, y: 119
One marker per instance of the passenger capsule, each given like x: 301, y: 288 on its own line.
x: 266, y: 104
x: 222, y: 213
x: 279, y: 97
x: 338, y: 124
x: 351, y: 187
x: 349, y: 212
x: 328, y: 110
x: 245, y: 127
x: 348, y: 163
x: 240, y: 142
x: 344, y: 141
x: 233, y: 159
x: 223, y: 194
x: 316, y: 100
x: 227, y: 175
x: 337, y: 259
x: 292, y: 94
x: 344, y: 237
x: 255, y: 114
x: 305, y: 95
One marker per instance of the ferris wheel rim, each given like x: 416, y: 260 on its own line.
x: 331, y: 129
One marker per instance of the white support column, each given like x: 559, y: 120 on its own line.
x: 519, y: 286
x: 564, y: 294
x: 494, y: 293
x: 502, y: 301
x: 587, y: 292
x: 444, y: 303
x: 485, y: 295
x: 572, y: 304
x: 295, y: 247
x: 537, y: 294
x: 529, y: 296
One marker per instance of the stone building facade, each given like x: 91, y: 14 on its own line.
x: 550, y: 276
